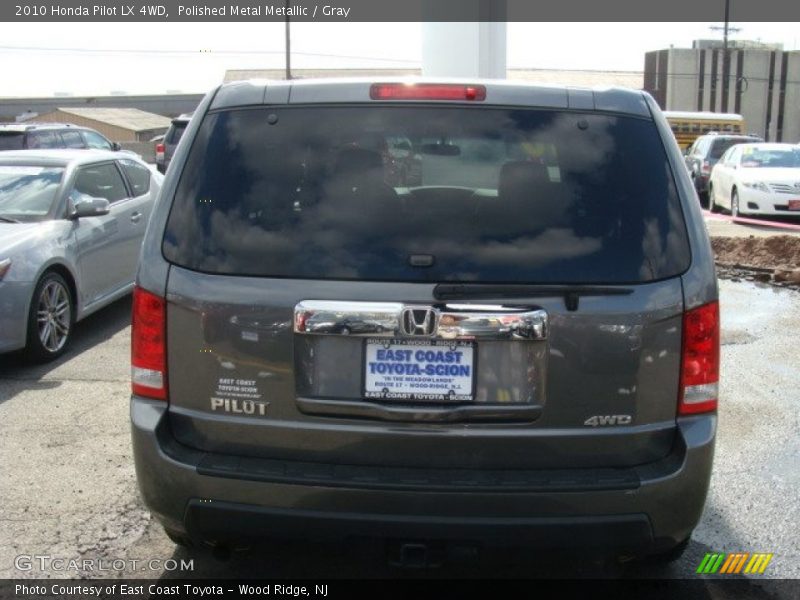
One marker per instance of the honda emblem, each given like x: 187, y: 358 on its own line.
x: 419, y: 321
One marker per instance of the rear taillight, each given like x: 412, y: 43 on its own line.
x: 705, y: 167
x: 700, y: 360
x: 160, y: 149
x: 427, y: 91
x: 149, y: 345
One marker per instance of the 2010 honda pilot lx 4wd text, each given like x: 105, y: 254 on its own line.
x: 516, y: 339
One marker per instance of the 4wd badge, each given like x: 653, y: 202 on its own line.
x: 601, y: 420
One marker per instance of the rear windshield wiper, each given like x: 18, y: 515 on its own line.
x: 571, y: 293
x: 8, y: 220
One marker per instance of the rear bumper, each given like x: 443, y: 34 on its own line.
x: 222, y: 521
x: 646, y: 508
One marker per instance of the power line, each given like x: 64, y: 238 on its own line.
x: 65, y: 50
x: 192, y: 52
x: 557, y: 70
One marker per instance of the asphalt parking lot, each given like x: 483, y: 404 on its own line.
x: 70, y: 489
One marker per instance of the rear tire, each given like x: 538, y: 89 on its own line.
x: 735, y: 204
x: 50, y: 318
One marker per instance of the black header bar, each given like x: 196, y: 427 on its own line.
x: 330, y: 11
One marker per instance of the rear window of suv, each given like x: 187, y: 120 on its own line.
x: 11, y: 140
x: 719, y: 146
x: 175, y: 132
x: 468, y: 194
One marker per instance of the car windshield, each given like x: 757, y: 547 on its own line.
x: 11, y: 140
x: 771, y: 158
x: 428, y: 194
x: 27, y: 192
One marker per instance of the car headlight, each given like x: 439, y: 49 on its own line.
x: 5, y: 265
x: 757, y: 185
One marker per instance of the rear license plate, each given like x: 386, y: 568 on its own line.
x: 794, y: 204
x: 419, y: 370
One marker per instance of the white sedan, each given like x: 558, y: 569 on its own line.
x: 757, y: 179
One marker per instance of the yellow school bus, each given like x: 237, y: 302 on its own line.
x: 688, y: 126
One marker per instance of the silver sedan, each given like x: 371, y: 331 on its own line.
x: 71, y: 224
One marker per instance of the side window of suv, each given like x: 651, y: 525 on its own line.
x: 138, y: 176
x: 95, y: 140
x: 101, y: 181
x: 72, y: 139
x: 43, y: 139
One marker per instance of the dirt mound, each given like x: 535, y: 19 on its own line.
x: 774, y: 260
x: 780, y: 252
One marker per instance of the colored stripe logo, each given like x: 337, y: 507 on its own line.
x: 736, y: 562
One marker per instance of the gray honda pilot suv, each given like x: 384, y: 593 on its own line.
x: 517, y: 341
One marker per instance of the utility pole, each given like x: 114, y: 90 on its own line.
x: 725, y: 32
x: 726, y: 64
x: 288, y: 43
x: 726, y: 29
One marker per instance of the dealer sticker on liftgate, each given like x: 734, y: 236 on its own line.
x: 419, y: 370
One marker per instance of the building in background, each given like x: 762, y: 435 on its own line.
x: 466, y: 49
x: 168, y: 105
x: 759, y: 81
x: 117, y: 124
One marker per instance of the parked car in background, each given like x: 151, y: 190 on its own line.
x: 522, y: 348
x: 71, y: 225
x: 704, y: 154
x: 166, y: 148
x: 757, y: 179
x: 40, y: 136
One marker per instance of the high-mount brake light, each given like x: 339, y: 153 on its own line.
x: 699, y: 389
x: 427, y: 91
x: 149, y: 345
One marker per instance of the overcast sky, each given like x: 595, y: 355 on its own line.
x: 41, y: 59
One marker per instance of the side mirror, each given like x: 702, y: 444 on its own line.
x: 88, y: 206
x: 115, y: 146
